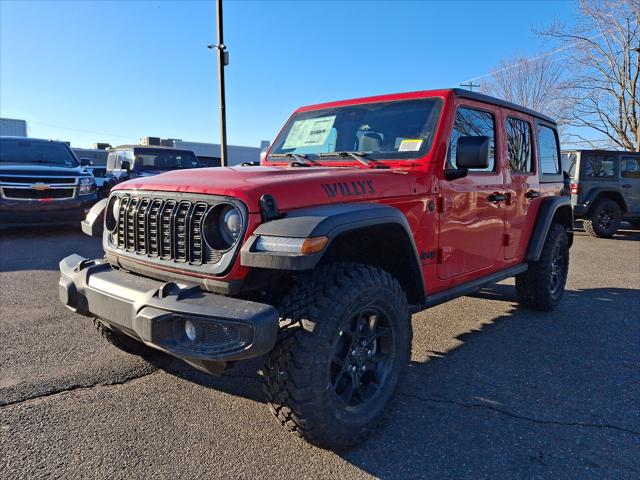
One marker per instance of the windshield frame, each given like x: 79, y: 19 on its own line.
x: 433, y: 120
x: 46, y: 143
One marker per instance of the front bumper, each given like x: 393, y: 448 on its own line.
x: 35, y: 212
x: 155, y: 313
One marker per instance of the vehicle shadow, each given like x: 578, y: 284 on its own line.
x: 526, y: 393
x: 17, y: 250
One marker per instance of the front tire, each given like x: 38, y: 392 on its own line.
x: 604, y: 219
x: 346, y: 334
x: 542, y: 285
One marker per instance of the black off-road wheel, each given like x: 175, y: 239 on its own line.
x: 124, y: 342
x: 345, y: 337
x: 604, y: 219
x: 542, y: 285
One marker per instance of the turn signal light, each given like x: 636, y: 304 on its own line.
x: 313, y: 245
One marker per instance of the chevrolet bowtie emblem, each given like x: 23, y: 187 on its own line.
x: 40, y: 186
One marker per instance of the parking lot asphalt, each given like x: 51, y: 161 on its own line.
x: 493, y: 390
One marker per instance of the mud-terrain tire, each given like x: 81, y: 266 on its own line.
x: 124, y: 342
x: 604, y: 219
x: 341, y: 316
x: 542, y: 285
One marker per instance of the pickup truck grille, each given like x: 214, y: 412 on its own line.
x: 168, y: 229
x: 36, y: 186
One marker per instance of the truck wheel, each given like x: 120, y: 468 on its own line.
x: 604, y: 219
x: 542, y: 285
x: 124, y: 342
x: 345, y: 336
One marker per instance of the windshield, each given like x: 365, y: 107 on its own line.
x: 23, y: 150
x: 386, y: 130
x: 159, y: 159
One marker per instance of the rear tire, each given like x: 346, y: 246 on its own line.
x: 604, y: 219
x: 345, y: 336
x: 542, y: 285
x: 124, y: 342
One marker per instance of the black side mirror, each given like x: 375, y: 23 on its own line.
x: 85, y: 162
x: 472, y: 152
x: 125, y: 165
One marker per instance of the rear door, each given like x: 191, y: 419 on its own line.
x: 630, y: 182
x: 471, y: 220
x: 521, y: 181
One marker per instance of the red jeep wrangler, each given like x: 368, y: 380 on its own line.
x: 362, y: 212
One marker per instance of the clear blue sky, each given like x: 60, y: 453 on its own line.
x: 129, y: 69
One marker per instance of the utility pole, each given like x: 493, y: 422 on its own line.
x: 470, y: 85
x: 223, y: 60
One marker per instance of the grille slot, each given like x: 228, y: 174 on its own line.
x: 166, y: 229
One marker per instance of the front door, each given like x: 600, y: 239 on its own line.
x: 472, y: 212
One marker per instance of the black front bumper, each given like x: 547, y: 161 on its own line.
x: 34, y: 212
x: 156, y: 313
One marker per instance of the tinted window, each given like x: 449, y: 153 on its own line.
x: 549, y: 160
x: 111, y: 161
x: 473, y: 123
x: 160, y: 159
x: 519, y: 145
x: 30, y: 151
x: 599, y: 166
x: 382, y: 130
x: 630, y: 167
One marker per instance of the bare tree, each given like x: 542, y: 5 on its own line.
x: 602, y: 53
x: 536, y: 83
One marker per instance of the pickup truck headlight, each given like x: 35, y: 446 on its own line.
x: 86, y: 185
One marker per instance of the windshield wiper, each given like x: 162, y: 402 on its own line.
x: 359, y: 156
x: 299, y: 159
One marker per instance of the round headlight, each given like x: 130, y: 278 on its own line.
x: 222, y: 226
x: 112, y: 213
x: 230, y: 224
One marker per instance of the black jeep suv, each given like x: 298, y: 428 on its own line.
x: 605, y: 189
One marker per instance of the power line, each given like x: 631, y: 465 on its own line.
x: 77, y: 129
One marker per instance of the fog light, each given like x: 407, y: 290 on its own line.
x: 190, y: 330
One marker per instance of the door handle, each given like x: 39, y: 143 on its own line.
x: 497, y: 197
x: 626, y: 185
x: 532, y: 194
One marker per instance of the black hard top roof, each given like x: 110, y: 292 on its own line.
x: 481, y: 97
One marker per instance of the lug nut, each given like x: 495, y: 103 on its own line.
x: 353, y: 353
x: 352, y: 368
x: 363, y: 368
x: 369, y: 353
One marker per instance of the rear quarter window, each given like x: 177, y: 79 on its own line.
x: 598, y: 166
x: 549, y: 153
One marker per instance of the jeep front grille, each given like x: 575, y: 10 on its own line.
x: 167, y: 229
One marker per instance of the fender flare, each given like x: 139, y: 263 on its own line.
x: 595, y: 192
x: 93, y: 224
x: 550, y: 206
x: 328, y: 220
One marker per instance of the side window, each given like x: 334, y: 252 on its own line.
x: 548, y: 150
x: 519, y: 145
x: 630, y: 167
x: 474, y: 123
x: 111, y: 161
x: 599, y: 166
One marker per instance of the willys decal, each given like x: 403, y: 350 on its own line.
x: 349, y: 189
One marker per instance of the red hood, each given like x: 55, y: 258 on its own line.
x: 291, y: 187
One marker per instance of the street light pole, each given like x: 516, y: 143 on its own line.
x: 223, y: 60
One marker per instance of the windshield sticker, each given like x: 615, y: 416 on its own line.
x: 410, y: 145
x: 312, y: 132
